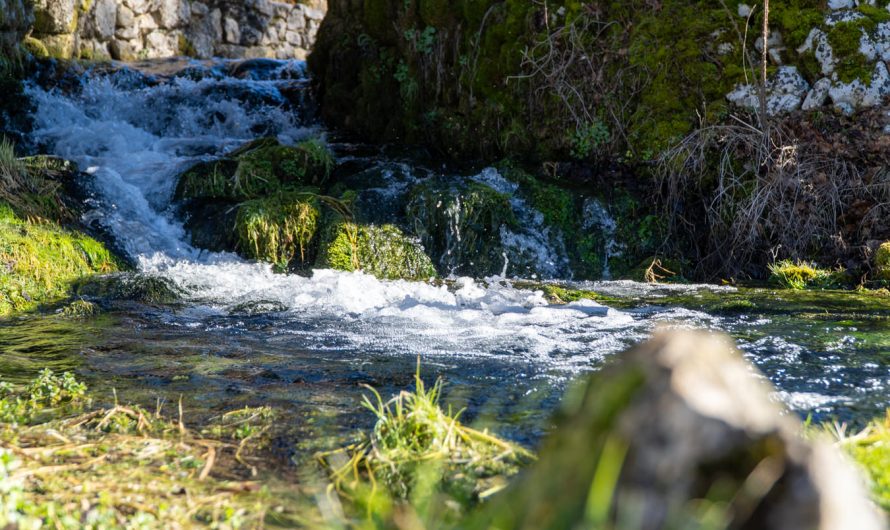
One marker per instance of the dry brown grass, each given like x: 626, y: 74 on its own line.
x: 745, y: 198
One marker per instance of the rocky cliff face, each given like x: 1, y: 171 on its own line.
x: 573, y: 80
x: 15, y: 19
x: 147, y: 29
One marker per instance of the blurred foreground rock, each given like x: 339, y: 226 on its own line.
x: 680, y: 433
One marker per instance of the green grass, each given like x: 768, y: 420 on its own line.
x: 421, y: 458
x: 870, y: 449
x: 39, y: 261
x: 278, y: 228
x: 800, y: 275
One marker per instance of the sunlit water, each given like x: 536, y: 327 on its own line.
x: 244, y: 335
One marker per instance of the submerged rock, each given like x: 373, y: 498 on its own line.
x: 142, y: 288
x: 677, y: 428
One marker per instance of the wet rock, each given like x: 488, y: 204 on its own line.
x: 384, y: 251
x: 461, y: 227
x: 676, y: 425
x: 132, y: 287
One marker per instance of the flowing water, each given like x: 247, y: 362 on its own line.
x: 244, y: 335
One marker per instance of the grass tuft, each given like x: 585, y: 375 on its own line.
x: 800, y: 275
x: 870, y: 449
x: 416, y: 445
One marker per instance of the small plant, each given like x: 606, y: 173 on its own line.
x: 870, y: 448
x: 408, y: 86
x: 414, y: 440
x: 47, y: 391
x: 587, y: 139
x: 801, y: 275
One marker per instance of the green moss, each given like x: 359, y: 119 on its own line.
x: 186, y: 48
x: 279, y: 228
x: 383, y: 251
x: 845, y: 38
x: 40, y: 261
x: 35, y: 47
x: 435, y: 12
x: 801, y: 275
x: 462, y: 225
x: 79, y: 309
x: 256, y: 170
x: 882, y: 261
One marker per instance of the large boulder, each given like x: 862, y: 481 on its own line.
x: 384, y: 251
x: 676, y: 431
x: 256, y: 170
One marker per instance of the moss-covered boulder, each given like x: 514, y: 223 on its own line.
x: 130, y: 287
x: 384, y: 251
x: 278, y: 229
x: 671, y: 435
x: 882, y: 261
x: 257, y: 169
x: 40, y: 260
x: 461, y: 226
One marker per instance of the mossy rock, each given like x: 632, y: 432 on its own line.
x: 278, y: 229
x: 461, y: 227
x: 35, y: 47
x: 256, y: 170
x: 882, y: 261
x: 39, y: 262
x: 384, y: 251
x: 142, y: 288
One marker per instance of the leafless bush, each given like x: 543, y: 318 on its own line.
x: 747, y: 198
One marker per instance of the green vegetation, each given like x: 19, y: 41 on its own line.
x: 419, y: 453
x: 383, y: 251
x: 801, y: 275
x: 278, y: 228
x: 43, y: 396
x: 480, y: 77
x: 39, y: 261
x: 125, y: 467
x: 870, y: 449
x: 65, y: 466
x: 258, y: 169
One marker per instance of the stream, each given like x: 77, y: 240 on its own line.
x: 244, y: 335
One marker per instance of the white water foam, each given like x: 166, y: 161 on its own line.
x: 135, y: 137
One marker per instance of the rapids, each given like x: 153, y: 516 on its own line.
x: 245, y: 335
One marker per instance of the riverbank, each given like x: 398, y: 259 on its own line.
x: 68, y: 462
